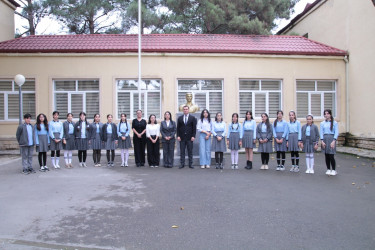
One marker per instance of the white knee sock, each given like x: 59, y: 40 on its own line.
x: 53, y: 161
x: 308, y: 160
x: 236, y: 157
x: 312, y: 161
x: 232, y: 155
x: 126, y: 156
x: 70, y: 156
x: 66, y: 157
x: 57, y: 159
x: 123, y: 156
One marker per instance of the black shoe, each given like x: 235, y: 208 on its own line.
x: 217, y: 166
x: 250, y: 164
x: 191, y: 166
x: 31, y: 170
x: 142, y: 164
x: 182, y: 166
x: 25, y: 171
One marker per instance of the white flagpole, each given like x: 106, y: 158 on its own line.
x: 139, y: 54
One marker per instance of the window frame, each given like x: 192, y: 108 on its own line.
x: 200, y: 91
x: 254, y: 92
x: 15, y: 91
x: 316, y: 91
x: 143, y: 92
x: 76, y: 91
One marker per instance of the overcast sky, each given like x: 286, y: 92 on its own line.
x: 50, y: 26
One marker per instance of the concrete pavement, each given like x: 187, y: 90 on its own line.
x: 135, y: 208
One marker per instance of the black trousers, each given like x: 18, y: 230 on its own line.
x: 189, y: 145
x: 168, y: 153
x: 153, y: 154
x: 139, y: 149
x: 42, y: 158
x: 96, y: 155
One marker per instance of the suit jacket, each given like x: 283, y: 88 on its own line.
x: 114, y: 132
x: 66, y: 130
x: 188, y: 130
x: 78, y: 127
x: 314, y: 133
x: 269, y: 132
x: 168, y: 131
x: 93, y: 130
x: 22, y: 136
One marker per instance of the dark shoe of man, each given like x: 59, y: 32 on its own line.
x: 182, y: 166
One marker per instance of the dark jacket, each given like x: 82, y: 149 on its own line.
x: 22, y: 136
x: 314, y: 133
x: 269, y: 132
x: 168, y: 131
x: 93, y: 130
x: 114, y: 132
x: 66, y: 130
x: 78, y: 127
x: 186, y: 132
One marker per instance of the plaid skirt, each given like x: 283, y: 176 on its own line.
x: 218, y: 146
x: 265, y: 147
x: 280, y: 146
x: 123, y: 144
x: 234, y: 139
x: 328, y: 140
x: 248, y: 139
x: 308, y: 145
x: 82, y: 144
x: 293, y: 142
x: 56, y: 146
x: 97, y: 143
x: 70, y: 143
x: 43, y: 143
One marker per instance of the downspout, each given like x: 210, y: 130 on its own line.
x: 346, y: 59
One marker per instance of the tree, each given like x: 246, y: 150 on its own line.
x: 86, y: 16
x: 33, y: 12
x: 152, y: 16
x: 225, y: 17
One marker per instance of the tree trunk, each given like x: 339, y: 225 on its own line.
x: 30, y: 17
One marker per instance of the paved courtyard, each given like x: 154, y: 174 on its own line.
x: 143, y: 208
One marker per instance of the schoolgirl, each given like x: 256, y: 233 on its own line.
x: 82, y: 135
x: 124, y: 143
x: 249, y: 138
x: 329, y: 132
x: 280, y: 130
x: 219, y: 130
x: 204, y: 128
x: 264, y: 136
x: 292, y: 140
x: 110, y: 137
x: 168, y: 130
x: 69, y: 140
x: 309, y: 143
x: 42, y: 140
x: 56, y: 133
x: 96, y: 133
x: 234, y: 139
x: 153, y: 145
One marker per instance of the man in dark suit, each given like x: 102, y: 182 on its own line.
x: 186, y: 129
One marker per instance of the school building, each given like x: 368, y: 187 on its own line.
x: 227, y: 73
x: 347, y: 25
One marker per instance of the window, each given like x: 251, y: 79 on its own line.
x: 128, y: 97
x: 260, y: 96
x: 75, y: 96
x: 207, y: 94
x: 9, y: 99
x: 313, y: 97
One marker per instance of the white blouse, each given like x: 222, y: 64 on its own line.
x: 152, y: 129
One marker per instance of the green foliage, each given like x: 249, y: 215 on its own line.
x: 223, y: 16
x: 33, y: 11
x: 85, y: 16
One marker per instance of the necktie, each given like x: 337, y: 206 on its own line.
x: 185, y: 119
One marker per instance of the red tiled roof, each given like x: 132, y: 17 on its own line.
x: 173, y: 43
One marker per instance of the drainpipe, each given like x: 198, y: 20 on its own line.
x: 346, y: 59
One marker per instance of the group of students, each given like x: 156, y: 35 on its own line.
x: 288, y: 136
x: 214, y: 136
